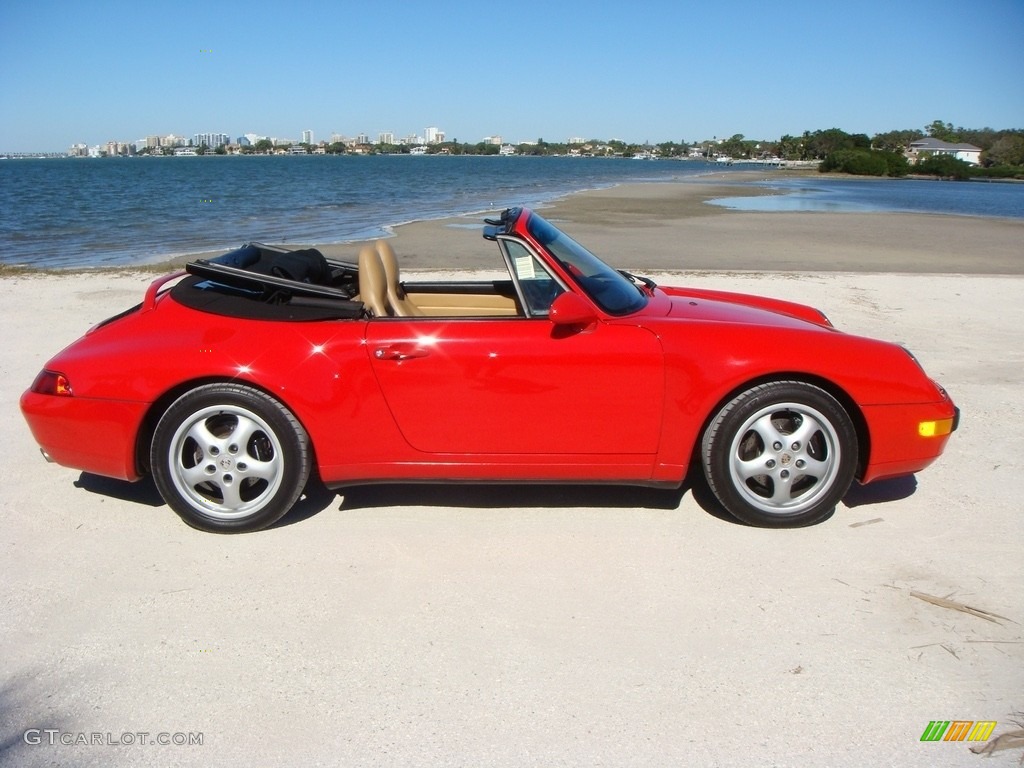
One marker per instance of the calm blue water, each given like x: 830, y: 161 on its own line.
x: 81, y: 212
x: 88, y: 212
x: 1003, y: 200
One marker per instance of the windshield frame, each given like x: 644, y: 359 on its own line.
x: 611, y: 291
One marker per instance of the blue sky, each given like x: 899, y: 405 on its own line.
x: 658, y: 71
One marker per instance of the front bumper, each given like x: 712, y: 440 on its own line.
x: 907, y: 438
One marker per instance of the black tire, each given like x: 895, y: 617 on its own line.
x: 780, y: 455
x: 229, y: 459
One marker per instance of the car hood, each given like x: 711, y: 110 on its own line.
x: 728, y: 307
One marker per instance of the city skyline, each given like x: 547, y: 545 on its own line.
x: 432, y: 135
x: 663, y: 71
x: 163, y: 144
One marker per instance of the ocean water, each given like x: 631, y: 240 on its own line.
x: 65, y: 213
x: 993, y: 199
x: 122, y: 211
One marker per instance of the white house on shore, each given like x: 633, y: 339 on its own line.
x: 929, y: 146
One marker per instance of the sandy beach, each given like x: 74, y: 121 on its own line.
x: 474, y: 626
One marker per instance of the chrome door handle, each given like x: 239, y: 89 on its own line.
x: 399, y: 353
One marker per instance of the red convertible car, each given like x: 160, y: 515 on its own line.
x: 234, y: 381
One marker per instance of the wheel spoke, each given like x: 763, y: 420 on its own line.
x: 782, y: 492
x: 193, y: 476
x: 751, y: 468
x: 230, y: 491
x: 808, y: 428
x: 263, y: 470
x: 203, y: 437
x: 767, y: 431
x: 816, y: 469
x: 243, y: 433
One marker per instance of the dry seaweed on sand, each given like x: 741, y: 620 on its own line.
x: 1008, y: 740
x: 945, y: 602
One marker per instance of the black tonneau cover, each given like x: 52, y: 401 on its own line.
x: 261, y: 282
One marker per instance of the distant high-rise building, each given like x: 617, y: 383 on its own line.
x: 434, y: 135
x: 386, y: 137
x: 307, y: 137
x: 211, y: 140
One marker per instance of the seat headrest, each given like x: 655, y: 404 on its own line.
x: 373, y: 289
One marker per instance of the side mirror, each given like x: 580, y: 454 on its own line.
x: 571, y: 309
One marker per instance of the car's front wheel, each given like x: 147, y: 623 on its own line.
x: 780, y: 454
x: 229, y: 458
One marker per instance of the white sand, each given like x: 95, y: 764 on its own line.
x: 428, y: 626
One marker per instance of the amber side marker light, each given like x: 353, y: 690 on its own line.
x: 52, y: 383
x: 935, y: 428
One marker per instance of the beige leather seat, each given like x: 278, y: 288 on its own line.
x: 400, y: 303
x: 373, y: 289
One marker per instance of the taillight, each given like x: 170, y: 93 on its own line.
x: 52, y: 383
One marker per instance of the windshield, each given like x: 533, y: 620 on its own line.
x: 610, y: 290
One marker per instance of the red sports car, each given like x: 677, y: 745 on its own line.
x: 233, y: 381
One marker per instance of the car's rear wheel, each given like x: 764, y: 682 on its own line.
x: 229, y: 458
x: 780, y: 455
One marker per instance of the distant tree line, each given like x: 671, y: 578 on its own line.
x: 1002, y: 153
x: 836, y: 151
x: 597, y: 147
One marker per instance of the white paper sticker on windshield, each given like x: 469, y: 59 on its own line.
x: 525, y: 268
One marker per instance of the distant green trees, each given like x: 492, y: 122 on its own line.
x: 1002, y: 151
x: 1006, y: 150
x: 944, y: 166
x: 896, y: 141
x: 820, y: 144
x: 672, y: 149
x: 865, y: 162
x: 839, y: 152
x: 943, y: 131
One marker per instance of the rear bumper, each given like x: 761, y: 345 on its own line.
x: 96, y: 436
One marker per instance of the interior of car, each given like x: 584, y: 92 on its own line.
x: 263, y: 281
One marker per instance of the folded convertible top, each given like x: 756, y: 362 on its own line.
x: 259, y: 282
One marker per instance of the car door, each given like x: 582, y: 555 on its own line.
x: 520, y: 385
